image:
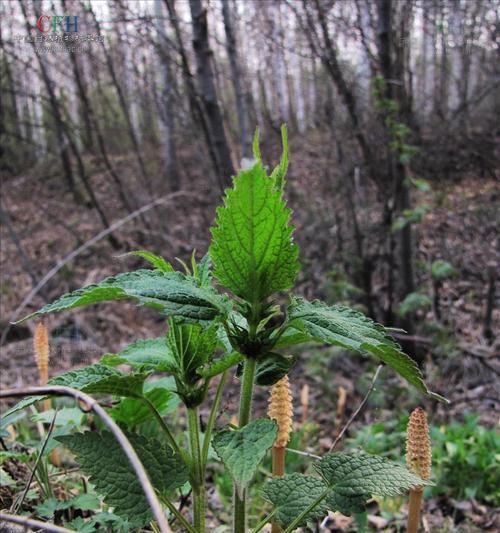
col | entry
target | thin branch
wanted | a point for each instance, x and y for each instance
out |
(305, 454)
(29, 522)
(53, 271)
(20, 502)
(131, 454)
(360, 406)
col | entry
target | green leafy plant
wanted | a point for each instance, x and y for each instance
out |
(464, 455)
(246, 325)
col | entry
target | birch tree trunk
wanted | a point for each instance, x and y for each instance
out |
(167, 119)
(237, 80)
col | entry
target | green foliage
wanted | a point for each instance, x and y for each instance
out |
(132, 411)
(410, 216)
(347, 482)
(441, 270)
(143, 354)
(353, 474)
(102, 459)
(101, 379)
(414, 302)
(464, 455)
(352, 330)
(466, 461)
(157, 261)
(293, 494)
(279, 172)
(220, 365)
(242, 450)
(84, 502)
(274, 367)
(208, 333)
(191, 347)
(172, 293)
(252, 249)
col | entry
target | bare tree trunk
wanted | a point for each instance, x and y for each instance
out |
(123, 104)
(208, 94)
(237, 79)
(62, 142)
(392, 66)
(197, 109)
(167, 118)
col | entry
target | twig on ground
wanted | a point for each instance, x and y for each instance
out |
(357, 411)
(93, 405)
(29, 522)
(53, 271)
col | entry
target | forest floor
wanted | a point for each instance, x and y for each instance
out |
(461, 366)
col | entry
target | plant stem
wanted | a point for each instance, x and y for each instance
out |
(173, 509)
(264, 521)
(306, 511)
(211, 419)
(414, 510)
(239, 522)
(197, 474)
(166, 430)
(278, 458)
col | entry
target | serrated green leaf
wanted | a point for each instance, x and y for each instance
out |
(133, 411)
(21, 404)
(101, 379)
(279, 172)
(220, 365)
(143, 354)
(6, 479)
(255, 145)
(172, 293)
(203, 270)
(242, 450)
(191, 347)
(351, 329)
(292, 494)
(102, 458)
(252, 248)
(272, 367)
(290, 337)
(156, 260)
(347, 505)
(356, 474)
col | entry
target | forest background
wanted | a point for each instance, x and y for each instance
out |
(123, 121)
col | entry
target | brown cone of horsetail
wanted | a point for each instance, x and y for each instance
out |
(42, 355)
(418, 460)
(280, 409)
(42, 358)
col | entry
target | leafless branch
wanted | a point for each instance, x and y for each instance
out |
(93, 405)
(53, 271)
(29, 522)
(360, 406)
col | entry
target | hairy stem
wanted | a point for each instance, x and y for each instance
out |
(244, 417)
(197, 473)
(166, 430)
(211, 419)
